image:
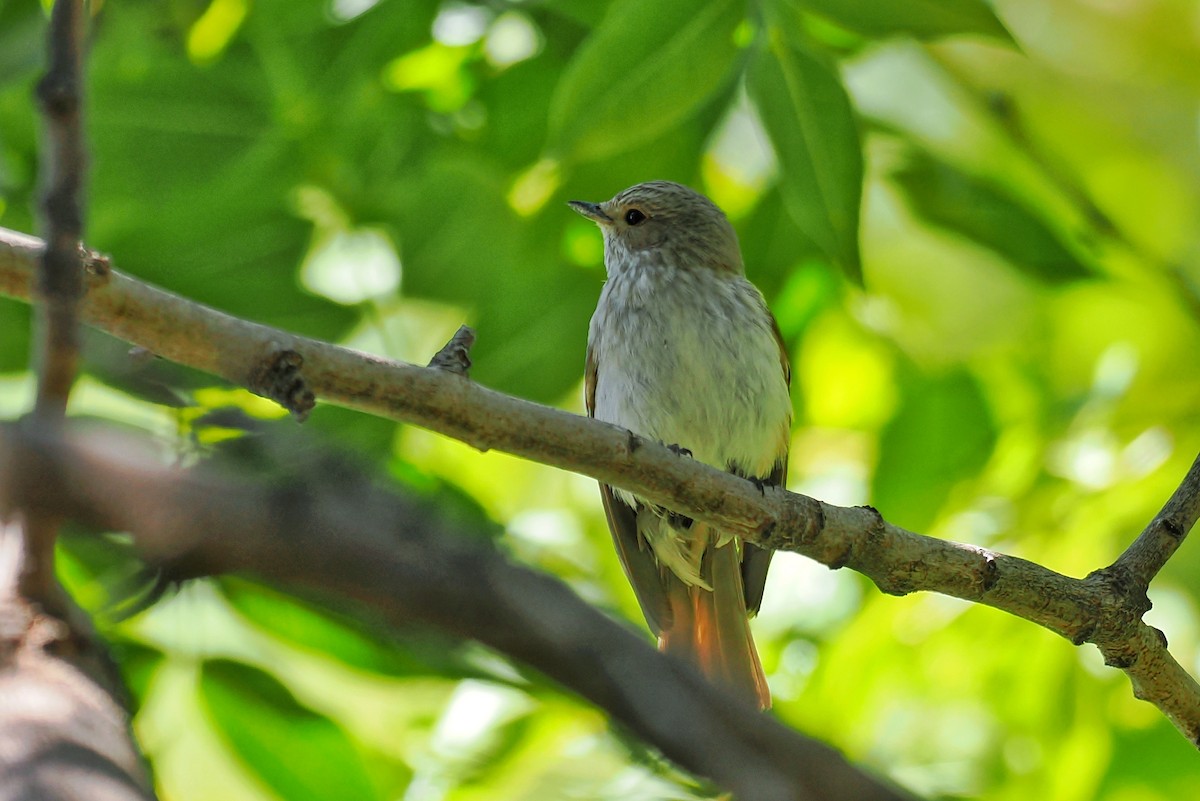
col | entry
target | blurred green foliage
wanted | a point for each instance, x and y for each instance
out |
(977, 225)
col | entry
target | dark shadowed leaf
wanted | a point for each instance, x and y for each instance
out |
(139, 664)
(924, 19)
(942, 434)
(984, 212)
(297, 752)
(772, 244)
(420, 653)
(589, 13)
(808, 117)
(643, 70)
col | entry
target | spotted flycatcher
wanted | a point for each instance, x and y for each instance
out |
(683, 350)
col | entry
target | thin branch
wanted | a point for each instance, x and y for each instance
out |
(1095, 609)
(60, 277)
(60, 281)
(394, 556)
(1150, 551)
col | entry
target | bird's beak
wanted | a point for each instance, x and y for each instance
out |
(590, 210)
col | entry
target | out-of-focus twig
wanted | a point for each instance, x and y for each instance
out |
(60, 279)
(398, 558)
(63, 732)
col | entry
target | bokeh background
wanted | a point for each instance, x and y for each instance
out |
(995, 341)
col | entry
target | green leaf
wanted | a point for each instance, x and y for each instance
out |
(807, 114)
(985, 213)
(589, 14)
(463, 244)
(942, 434)
(217, 163)
(643, 70)
(297, 752)
(22, 32)
(924, 19)
(772, 244)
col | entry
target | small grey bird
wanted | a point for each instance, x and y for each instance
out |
(683, 350)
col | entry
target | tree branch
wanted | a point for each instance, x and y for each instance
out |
(60, 280)
(329, 531)
(1147, 555)
(63, 732)
(59, 276)
(1095, 609)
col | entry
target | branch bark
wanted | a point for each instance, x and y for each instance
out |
(1098, 609)
(63, 734)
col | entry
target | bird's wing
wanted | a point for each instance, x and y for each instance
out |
(640, 566)
(756, 560)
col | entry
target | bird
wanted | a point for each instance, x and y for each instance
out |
(683, 350)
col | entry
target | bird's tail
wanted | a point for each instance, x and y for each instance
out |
(712, 630)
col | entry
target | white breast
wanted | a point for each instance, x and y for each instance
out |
(689, 358)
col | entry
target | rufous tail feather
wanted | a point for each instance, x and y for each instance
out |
(712, 629)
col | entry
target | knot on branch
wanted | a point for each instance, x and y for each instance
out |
(1121, 589)
(95, 263)
(1176, 531)
(902, 576)
(1122, 659)
(454, 357)
(1120, 601)
(279, 379)
(58, 92)
(990, 573)
(803, 519)
(1084, 633)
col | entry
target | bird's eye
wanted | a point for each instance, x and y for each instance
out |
(634, 217)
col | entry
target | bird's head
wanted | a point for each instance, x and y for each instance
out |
(660, 222)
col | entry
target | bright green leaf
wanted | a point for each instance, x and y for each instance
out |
(807, 115)
(644, 69)
(297, 752)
